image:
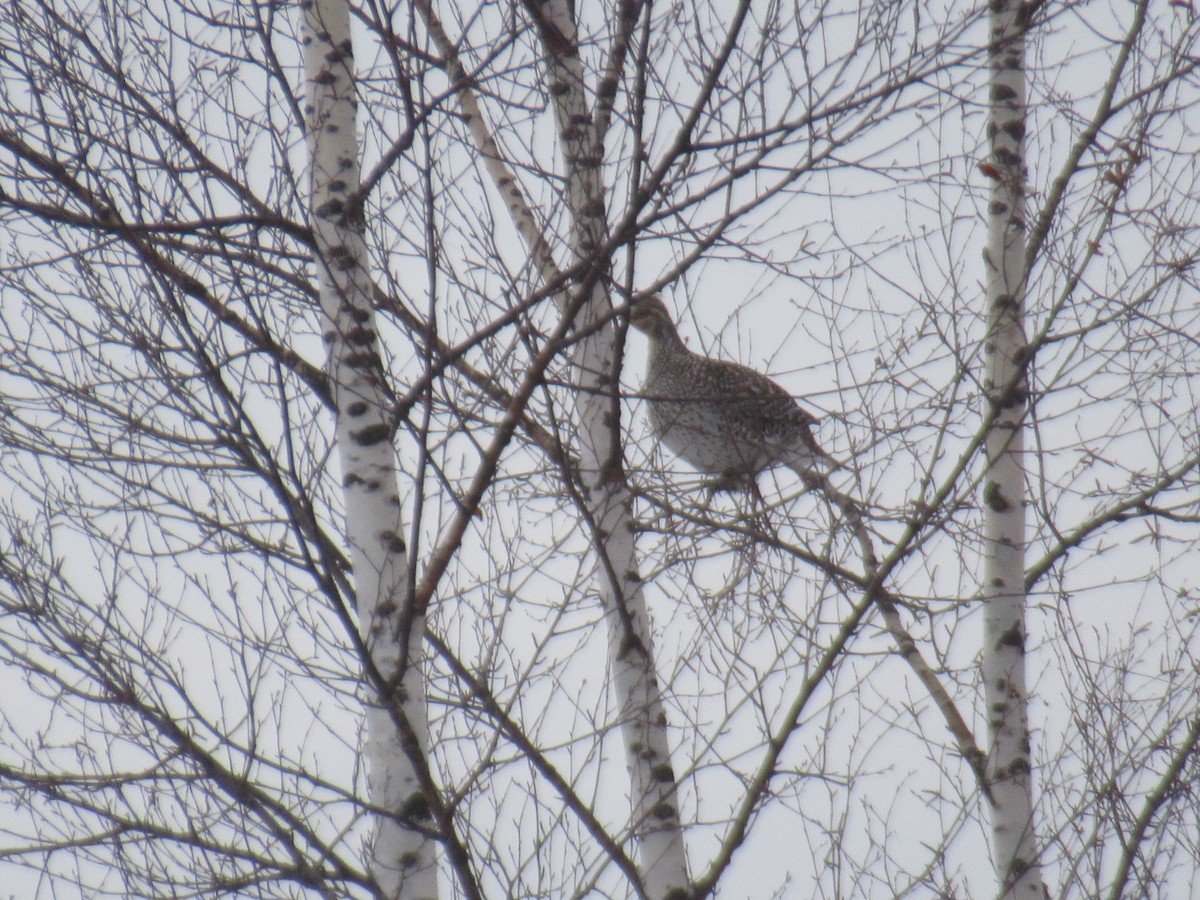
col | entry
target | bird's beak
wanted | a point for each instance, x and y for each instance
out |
(641, 316)
(638, 319)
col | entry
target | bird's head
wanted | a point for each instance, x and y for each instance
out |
(651, 317)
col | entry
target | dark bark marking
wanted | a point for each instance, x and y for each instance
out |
(360, 337)
(1013, 637)
(415, 808)
(330, 209)
(371, 434)
(995, 499)
(663, 773)
(366, 359)
(1006, 157)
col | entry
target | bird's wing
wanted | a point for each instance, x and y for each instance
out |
(757, 395)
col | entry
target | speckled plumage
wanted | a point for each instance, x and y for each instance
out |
(722, 418)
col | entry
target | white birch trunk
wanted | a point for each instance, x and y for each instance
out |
(402, 858)
(659, 836)
(1009, 768)
(657, 830)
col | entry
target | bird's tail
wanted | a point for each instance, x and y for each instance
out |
(812, 460)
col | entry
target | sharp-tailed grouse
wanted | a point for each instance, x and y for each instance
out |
(720, 417)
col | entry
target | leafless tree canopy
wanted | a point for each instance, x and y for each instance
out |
(808, 188)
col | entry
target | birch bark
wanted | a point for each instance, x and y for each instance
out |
(640, 711)
(1003, 593)
(656, 825)
(402, 855)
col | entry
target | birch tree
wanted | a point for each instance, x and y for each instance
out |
(608, 504)
(336, 556)
(390, 625)
(1003, 590)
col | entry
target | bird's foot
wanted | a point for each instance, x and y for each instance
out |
(731, 482)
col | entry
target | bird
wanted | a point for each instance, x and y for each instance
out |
(724, 419)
